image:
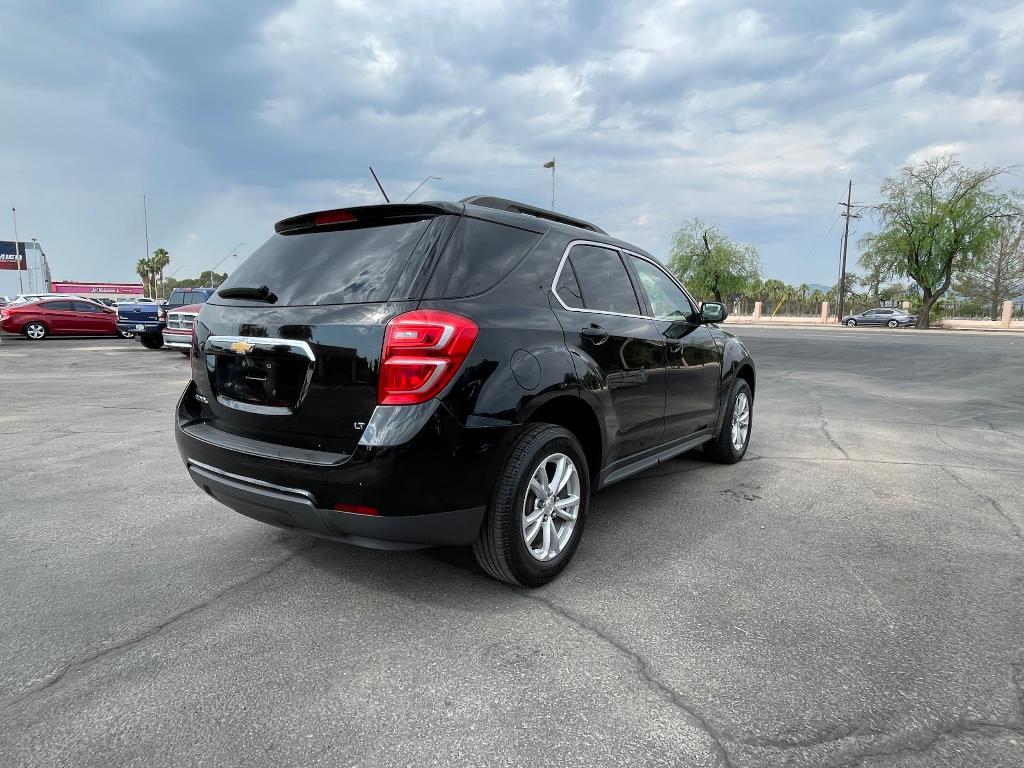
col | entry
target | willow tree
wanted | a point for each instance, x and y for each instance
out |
(710, 264)
(936, 220)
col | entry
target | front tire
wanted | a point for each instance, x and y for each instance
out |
(730, 444)
(851, 323)
(537, 512)
(893, 324)
(152, 342)
(35, 331)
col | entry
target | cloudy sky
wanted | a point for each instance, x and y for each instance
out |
(231, 115)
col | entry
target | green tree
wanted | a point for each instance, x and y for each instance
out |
(144, 269)
(711, 264)
(935, 220)
(161, 258)
(999, 276)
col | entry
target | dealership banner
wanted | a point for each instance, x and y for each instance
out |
(9, 257)
(82, 289)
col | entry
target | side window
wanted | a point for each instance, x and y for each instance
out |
(666, 298)
(58, 306)
(568, 289)
(478, 256)
(85, 306)
(604, 283)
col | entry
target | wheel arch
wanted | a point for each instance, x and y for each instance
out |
(576, 415)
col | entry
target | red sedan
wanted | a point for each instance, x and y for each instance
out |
(59, 317)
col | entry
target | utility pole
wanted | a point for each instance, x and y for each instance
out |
(847, 214)
(17, 250)
(145, 221)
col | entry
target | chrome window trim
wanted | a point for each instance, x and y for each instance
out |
(621, 252)
(558, 273)
(693, 302)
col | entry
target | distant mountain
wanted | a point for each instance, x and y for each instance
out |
(819, 287)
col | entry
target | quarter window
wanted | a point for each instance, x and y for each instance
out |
(568, 288)
(603, 281)
(667, 300)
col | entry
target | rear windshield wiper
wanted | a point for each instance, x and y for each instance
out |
(263, 293)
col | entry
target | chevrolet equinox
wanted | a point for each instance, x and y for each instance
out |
(401, 376)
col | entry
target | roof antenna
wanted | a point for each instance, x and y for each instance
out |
(386, 198)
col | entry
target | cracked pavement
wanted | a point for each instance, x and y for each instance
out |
(848, 595)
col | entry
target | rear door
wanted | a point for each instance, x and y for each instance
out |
(57, 315)
(300, 366)
(621, 349)
(89, 318)
(694, 369)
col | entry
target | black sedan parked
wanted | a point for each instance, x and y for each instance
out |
(894, 318)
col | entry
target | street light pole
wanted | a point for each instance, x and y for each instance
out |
(17, 249)
(551, 164)
(213, 271)
(436, 178)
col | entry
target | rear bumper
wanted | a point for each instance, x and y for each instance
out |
(296, 508)
(176, 339)
(428, 488)
(149, 327)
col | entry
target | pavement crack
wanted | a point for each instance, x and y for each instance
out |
(823, 423)
(81, 663)
(643, 669)
(1014, 526)
(921, 742)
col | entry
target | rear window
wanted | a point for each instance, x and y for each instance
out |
(346, 266)
(479, 255)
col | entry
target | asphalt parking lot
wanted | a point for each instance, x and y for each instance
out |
(851, 594)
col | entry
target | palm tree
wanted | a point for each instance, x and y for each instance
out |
(161, 258)
(144, 269)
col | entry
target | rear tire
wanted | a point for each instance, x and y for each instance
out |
(505, 549)
(125, 335)
(851, 323)
(730, 444)
(893, 324)
(35, 331)
(152, 342)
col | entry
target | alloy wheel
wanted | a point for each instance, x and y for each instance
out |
(740, 421)
(551, 506)
(35, 331)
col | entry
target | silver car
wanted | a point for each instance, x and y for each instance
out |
(891, 317)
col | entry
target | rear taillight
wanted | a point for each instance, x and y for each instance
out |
(423, 350)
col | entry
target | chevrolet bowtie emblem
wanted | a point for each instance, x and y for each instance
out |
(242, 347)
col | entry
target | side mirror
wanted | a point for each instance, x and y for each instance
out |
(713, 312)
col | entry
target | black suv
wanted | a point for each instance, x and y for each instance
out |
(402, 376)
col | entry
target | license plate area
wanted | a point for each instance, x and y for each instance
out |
(140, 327)
(266, 376)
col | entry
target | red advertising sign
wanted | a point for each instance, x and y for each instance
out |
(83, 289)
(8, 259)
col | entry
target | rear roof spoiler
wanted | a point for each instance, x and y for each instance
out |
(512, 206)
(364, 213)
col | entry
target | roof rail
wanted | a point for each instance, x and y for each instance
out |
(512, 206)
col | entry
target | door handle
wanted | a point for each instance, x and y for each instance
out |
(596, 334)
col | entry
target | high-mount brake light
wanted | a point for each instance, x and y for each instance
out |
(325, 218)
(423, 350)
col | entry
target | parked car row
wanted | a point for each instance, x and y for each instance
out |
(40, 315)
